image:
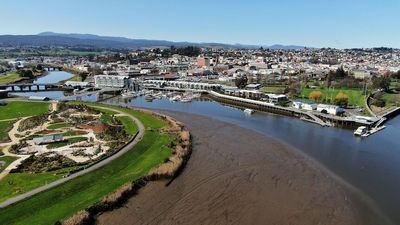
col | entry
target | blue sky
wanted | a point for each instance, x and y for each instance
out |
(315, 23)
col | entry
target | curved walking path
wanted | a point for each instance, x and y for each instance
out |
(14, 140)
(129, 146)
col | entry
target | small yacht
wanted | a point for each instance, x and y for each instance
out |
(149, 97)
(175, 98)
(361, 131)
(127, 94)
(185, 99)
(248, 111)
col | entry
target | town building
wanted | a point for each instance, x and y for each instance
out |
(48, 139)
(111, 81)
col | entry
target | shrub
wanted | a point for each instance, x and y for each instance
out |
(378, 103)
(341, 99)
(316, 96)
(32, 122)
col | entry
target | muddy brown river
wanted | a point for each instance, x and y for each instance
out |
(238, 176)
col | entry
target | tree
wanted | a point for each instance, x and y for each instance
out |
(396, 75)
(329, 78)
(316, 96)
(341, 99)
(241, 82)
(382, 82)
(26, 73)
(39, 67)
(340, 73)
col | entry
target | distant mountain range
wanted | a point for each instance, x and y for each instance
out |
(96, 41)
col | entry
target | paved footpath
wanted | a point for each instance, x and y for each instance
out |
(129, 146)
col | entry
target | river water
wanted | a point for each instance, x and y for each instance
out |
(372, 165)
(53, 77)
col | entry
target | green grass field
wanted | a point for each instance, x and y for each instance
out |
(4, 126)
(7, 160)
(66, 142)
(61, 202)
(355, 95)
(76, 78)
(58, 126)
(9, 78)
(18, 183)
(129, 125)
(17, 109)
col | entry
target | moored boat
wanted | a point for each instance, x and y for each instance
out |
(248, 111)
(361, 131)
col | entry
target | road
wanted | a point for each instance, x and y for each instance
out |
(129, 146)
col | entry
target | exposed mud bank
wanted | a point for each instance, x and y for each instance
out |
(238, 176)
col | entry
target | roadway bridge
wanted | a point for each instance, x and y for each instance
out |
(29, 87)
(51, 67)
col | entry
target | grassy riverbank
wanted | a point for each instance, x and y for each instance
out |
(68, 198)
(17, 109)
(10, 78)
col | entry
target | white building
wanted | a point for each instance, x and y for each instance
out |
(112, 81)
(306, 105)
(330, 109)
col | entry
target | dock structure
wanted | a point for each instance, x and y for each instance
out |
(319, 118)
(316, 120)
(314, 117)
(389, 113)
(113, 91)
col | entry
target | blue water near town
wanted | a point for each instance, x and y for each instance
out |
(53, 77)
(371, 164)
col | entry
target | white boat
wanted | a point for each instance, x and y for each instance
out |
(149, 97)
(127, 94)
(175, 98)
(361, 131)
(185, 100)
(248, 111)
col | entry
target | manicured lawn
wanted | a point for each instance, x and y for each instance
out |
(58, 126)
(66, 142)
(16, 109)
(7, 160)
(17, 183)
(355, 95)
(61, 202)
(4, 126)
(9, 78)
(129, 125)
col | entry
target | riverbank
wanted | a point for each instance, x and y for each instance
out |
(152, 150)
(165, 171)
(238, 176)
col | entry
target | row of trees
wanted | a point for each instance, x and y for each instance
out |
(190, 51)
(341, 98)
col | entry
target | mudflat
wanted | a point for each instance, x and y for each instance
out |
(238, 176)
